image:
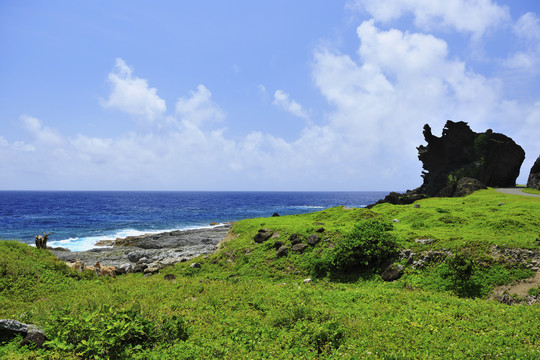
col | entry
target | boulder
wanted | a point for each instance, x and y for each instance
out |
(139, 267)
(534, 176)
(295, 239)
(196, 265)
(282, 251)
(32, 334)
(124, 268)
(392, 272)
(300, 247)
(151, 270)
(313, 239)
(466, 186)
(263, 235)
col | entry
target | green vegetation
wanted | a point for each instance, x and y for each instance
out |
(247, 301)
(531, 191)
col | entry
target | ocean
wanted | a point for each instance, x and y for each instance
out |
(78, 219)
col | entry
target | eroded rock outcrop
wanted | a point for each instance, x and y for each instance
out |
(462, 161)
(534, 176)
(491, 158)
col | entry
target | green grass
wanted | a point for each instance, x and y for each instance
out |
(245, 302)
(531, 191)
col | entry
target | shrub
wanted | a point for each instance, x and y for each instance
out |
(461, 269)
(110, 332)
(368, 244)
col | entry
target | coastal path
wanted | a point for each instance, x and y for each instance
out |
(515, 191)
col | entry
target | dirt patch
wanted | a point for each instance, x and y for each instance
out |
(230, 236)
(521, 288)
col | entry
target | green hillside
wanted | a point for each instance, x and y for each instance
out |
(253, 300)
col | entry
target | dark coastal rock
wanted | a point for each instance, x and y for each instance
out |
(491, 158)
(275, 214)
(320, 230)
(392, 272)
(395, 198)
(300, 247)
(295, 239)
(313, 239)
(278, 244)
(466, 186)
(169, 277)
(263, 235)
(462, 161)
(36, 338)
(32, 334)
(196, 265)
(161, 250)
(282, 251)
(534, 176)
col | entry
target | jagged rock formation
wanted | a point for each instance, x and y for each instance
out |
(534, 176)
(462, 161)
(491, 158)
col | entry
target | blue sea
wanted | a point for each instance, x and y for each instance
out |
(78, 219)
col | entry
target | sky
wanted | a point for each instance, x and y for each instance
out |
(278, 95)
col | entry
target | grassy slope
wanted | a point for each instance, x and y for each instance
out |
(245, 303)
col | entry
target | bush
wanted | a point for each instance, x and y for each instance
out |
(461, 269)
(110, 332)
(368, 244)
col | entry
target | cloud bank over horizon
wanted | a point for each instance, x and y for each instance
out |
(364, 137)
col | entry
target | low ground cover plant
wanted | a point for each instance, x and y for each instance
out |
(246, 301)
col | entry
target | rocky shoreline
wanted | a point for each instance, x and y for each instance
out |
(151, 251)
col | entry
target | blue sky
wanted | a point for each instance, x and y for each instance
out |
(256, 95)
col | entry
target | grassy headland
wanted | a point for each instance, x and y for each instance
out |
(249, 299)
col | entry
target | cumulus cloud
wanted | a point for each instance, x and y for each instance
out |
(42, 134)
(401, 81)
(527, 29)
(283, 101)
(132, 95)
(469, 16)
(198, 109)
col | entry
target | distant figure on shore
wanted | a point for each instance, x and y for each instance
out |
(41, 240)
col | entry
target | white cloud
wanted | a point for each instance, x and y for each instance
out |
(132, 95)
(527, 29)
(283, 101)
(21, 146)
(43, 134)
(469, 16)
(198, 109)
(400, 82)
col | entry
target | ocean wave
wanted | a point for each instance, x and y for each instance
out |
(89, 242)
(305, 207)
